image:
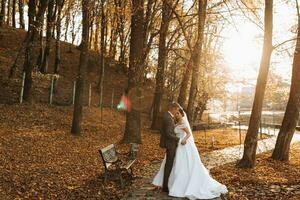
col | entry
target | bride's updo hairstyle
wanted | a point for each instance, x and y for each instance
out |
(181, 111)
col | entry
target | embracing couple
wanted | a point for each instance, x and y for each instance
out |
(182, 173)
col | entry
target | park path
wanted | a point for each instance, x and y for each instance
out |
(143, 189)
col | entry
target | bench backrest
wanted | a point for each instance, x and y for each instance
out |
(108, 155)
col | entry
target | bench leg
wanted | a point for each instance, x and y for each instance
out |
(105, 176)
(121, 180)
(131, 171)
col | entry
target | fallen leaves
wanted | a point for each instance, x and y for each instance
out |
(268, 180)
(39, 158)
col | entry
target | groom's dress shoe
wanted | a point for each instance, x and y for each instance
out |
(165, 190)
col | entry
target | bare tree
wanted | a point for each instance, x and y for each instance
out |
(135, 75)
(8, 12)
(121, 22)
(80, 83)
(50, 21)
(196, 55)
(162, 57)
(35, 21)
(2, 12)
(291, 116)
(21, 12)
(102, 53)
(183, 94)
(14, 13)
(60, 4)
(249, 155)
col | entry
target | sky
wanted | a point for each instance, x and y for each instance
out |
(242, 48)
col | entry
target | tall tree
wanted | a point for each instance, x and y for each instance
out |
(2, 12)
(135, 75)
(184, 86)
(91, 29)
(73, 32)
(291, 116)
(183, 93)
(41, 40)
(162, 57)
(120, 6)
(102, 52)
(196, 56)
(60, 4)
(21, 12)
(68, 19)
(8, 12)
(80, 83)
(35, 22)
(14, 13)
(97, 28)
(113, 36)
(148, 32)
(249, 155)
(50, 20)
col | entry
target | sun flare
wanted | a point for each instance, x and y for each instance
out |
(242, 52)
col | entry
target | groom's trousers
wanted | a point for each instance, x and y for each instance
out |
(170, 155)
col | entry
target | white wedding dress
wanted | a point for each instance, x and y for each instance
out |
(189, 178)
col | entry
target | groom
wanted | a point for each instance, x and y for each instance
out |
(169, 141)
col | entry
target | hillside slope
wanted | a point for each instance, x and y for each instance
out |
(10, 43)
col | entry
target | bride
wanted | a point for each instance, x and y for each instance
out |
(189, 178)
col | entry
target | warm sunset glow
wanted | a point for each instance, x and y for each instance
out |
(242, 53)
(242, 48)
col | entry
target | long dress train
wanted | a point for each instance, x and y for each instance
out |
(189, 177)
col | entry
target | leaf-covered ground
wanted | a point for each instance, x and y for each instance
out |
(269, 180)
(39, 158)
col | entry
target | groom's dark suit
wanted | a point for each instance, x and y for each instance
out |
(169, 141)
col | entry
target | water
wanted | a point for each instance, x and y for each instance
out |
(264, 130)
(235, 153)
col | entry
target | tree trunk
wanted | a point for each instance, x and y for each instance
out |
(67, 24)
(113, 44)
(102, 50)
(291, 116)
(21, 11)
(41, 52)
(8, 13)
(91, 32)
(173, 81)
(80, 83)
(248, 160)
(30, 50)
(196, 55)
(148, 23)
(50, 19)
(202, 102)
(135, 77)
(183, 94)
(97, 31)
(2, 13)
(121, 5)
(162, 57)
(14, 13)
(113, 38)
(73, 32)
(60, 4)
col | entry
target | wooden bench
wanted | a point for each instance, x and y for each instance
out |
(113, 165)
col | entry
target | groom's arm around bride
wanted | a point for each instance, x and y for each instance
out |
(168, 138)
